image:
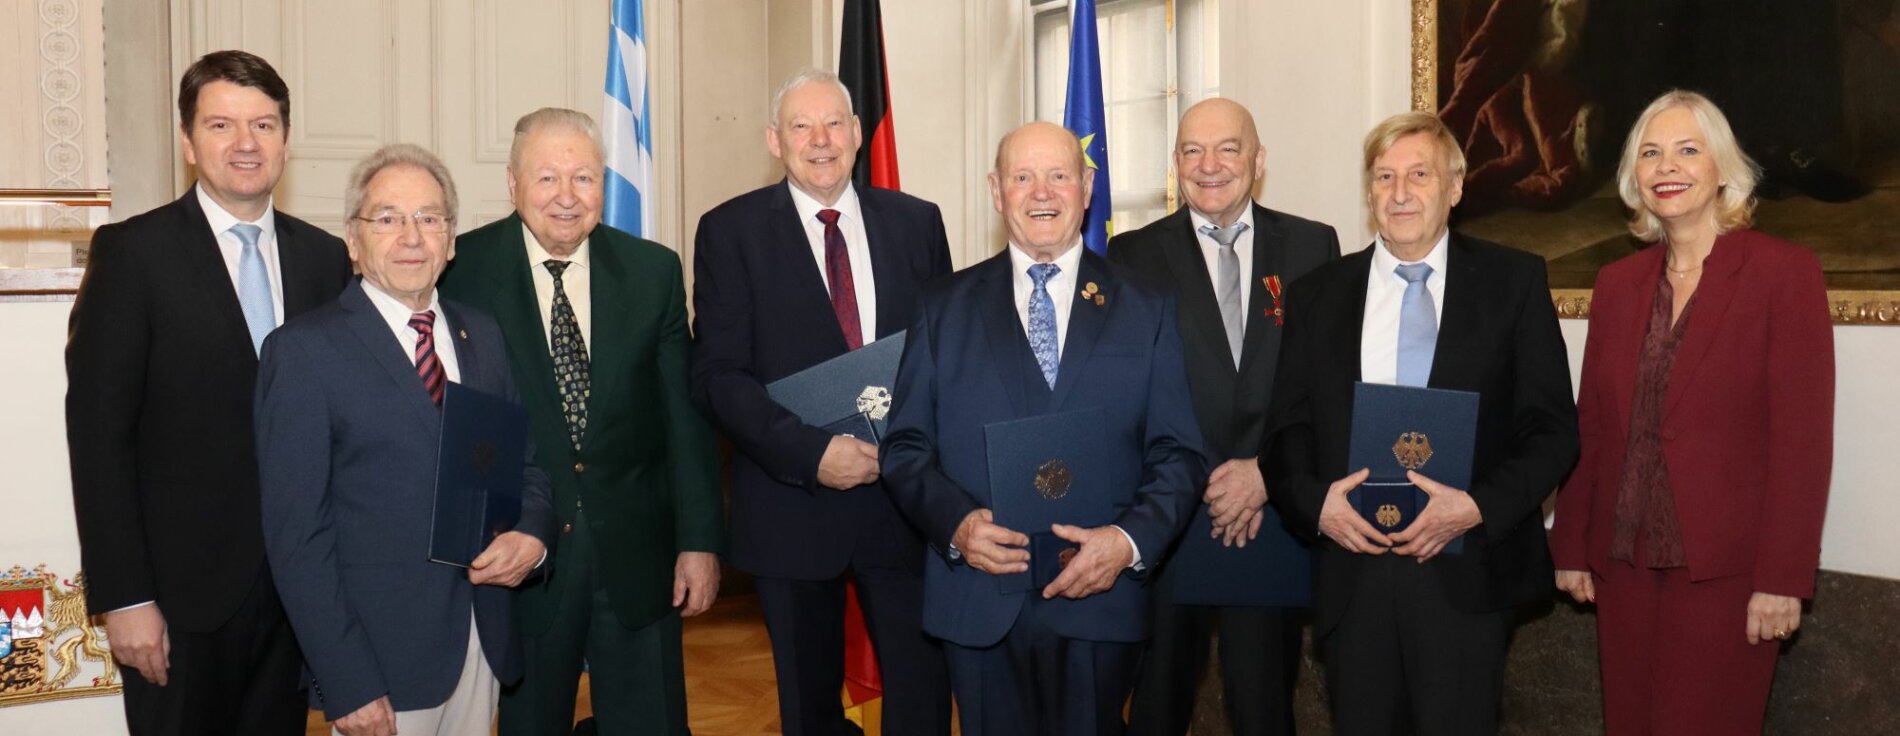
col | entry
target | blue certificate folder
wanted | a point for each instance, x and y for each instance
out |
(1274, 569)
(1433, 430)
(478, 473)
(1055, 469)
(834, 393)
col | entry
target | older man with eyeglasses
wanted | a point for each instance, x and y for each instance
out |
(349, 422)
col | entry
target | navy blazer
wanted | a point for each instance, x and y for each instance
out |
(967, 363)
(346, 441)
(761, 312)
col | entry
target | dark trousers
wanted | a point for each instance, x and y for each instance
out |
(1037, 683)
(805, 619)
(1402, 660)
(637, 679)
(240, 679)
(1259, 663)
(1675, 653)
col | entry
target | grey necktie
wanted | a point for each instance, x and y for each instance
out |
(1227, 283)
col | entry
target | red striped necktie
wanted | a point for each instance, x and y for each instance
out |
(428, 366)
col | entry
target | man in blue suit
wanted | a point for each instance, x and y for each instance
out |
(349, 420)
(1044, 327)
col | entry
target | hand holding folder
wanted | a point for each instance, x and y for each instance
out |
(1416, 446)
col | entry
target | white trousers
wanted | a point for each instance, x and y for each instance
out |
(469, 711)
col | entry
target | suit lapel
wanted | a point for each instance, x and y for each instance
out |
(383, 346)
(469, 362)
(1462, 316)
(1269, 260)
(1640, 296)
(887, 270)
(1353, 330)
(1202, 329)
(200, 248)
(296, 258)
(1009, 347)
(518, 312)
(793, 253)
(1713, 296)
(1085, 324)
(614, 292)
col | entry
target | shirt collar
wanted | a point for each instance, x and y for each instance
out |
(538, 255)
(1070, 260)
(808, 206)
(221, 219)
(396, 313)
(1384, 262)
(1201, 221)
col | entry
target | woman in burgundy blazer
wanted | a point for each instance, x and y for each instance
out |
(1693, 519)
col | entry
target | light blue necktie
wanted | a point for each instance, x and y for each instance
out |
(254, 285)
(1418, 326)
(1042, 321)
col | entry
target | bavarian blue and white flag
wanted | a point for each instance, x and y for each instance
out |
(627, 124)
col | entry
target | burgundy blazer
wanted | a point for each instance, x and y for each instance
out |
(1748, 421)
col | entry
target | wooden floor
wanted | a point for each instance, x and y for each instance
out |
(730, 688)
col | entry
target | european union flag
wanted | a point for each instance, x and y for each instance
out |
(1082, 115)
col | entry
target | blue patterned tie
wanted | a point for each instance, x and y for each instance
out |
(254, 285)
(1418, 326)
(569, 350)
(1042, 321)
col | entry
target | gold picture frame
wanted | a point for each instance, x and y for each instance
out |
(1845, 306)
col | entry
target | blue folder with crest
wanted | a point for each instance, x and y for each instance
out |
(1274, 569)
(849, 394)
(1055, 469)
(1399, 428)
(478, 473)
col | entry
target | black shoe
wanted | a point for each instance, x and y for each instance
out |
(586, 728)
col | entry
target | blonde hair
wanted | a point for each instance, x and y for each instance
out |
(1389, 132)
(1734, 201)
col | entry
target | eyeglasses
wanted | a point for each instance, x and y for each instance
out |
(391, 221)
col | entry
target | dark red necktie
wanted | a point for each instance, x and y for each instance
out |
(428, 366)
(844, 292)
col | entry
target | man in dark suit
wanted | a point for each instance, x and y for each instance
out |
(1227, 260)
(787, 277)
(1044, 327)
(349, 423)
(1414, 640)
(595, 321)
(160, 365)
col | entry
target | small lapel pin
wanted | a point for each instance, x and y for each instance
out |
(462, 334)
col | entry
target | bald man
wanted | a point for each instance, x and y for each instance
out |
(1227, 260)
(1045, 327)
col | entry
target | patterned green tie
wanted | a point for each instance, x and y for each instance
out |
(569, 351)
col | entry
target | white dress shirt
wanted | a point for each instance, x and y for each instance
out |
(232, 249)
(1385, 293)
(1062, 287)
(856, 245)
(396, 314)
(576, 281)
(1062, 290)
(1243, 247)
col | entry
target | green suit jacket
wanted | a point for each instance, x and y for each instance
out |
(647, 473)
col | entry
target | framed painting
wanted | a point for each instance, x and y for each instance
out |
(1542, 94)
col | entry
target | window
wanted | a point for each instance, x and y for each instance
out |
(1158, 58)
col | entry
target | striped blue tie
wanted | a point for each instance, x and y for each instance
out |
(254, 285)
(1042, 322)
(1418, 326)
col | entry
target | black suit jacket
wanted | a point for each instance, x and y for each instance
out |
(1498, 336)
(160, 376)
(1230, 402)
(761, 312)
